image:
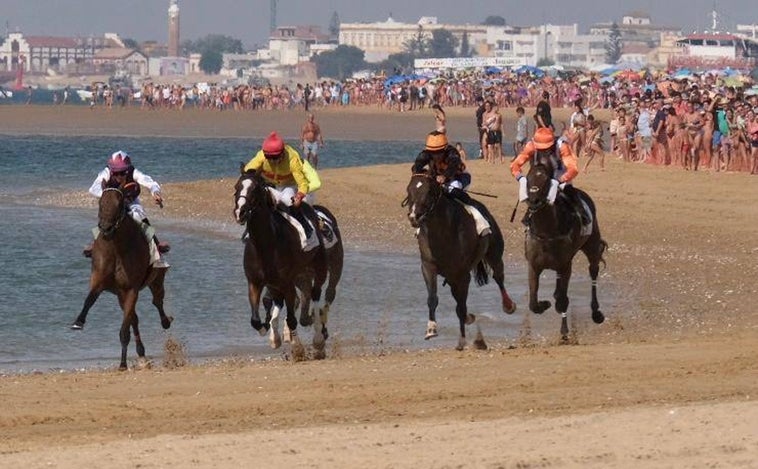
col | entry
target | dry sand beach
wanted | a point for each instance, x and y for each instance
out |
(669, 380)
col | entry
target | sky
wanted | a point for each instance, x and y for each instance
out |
(248, 20)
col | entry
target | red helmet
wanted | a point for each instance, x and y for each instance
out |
(119, 161)
(273, 146)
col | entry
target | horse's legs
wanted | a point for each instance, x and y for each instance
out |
(95, 288)
(536, 306)
(593, 249)
(335, 261)
(563, 276)
(430, 278)
(138, 345)
(254, 296)
(159, 293)
(272, 323)
(459, 289)
(128, 301)
(298, 351)
(498, 273)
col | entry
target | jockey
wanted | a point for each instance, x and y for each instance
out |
(122, 174)
(282, 166)
(445, 164)
(565, 166)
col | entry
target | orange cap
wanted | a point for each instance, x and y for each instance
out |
(543, 138)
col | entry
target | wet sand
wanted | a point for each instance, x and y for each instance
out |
(669, 380)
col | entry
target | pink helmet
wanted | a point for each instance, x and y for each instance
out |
(119, 161)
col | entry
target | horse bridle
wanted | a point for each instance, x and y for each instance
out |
(112, 229)
(431, 207)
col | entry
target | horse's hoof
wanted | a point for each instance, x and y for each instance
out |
(77, 326)
(167, 323)
(306, 320)
(470, 318)
(319, 354)
(541, 307)
(480, 344)
(275, 341)
(430, 334)
(598, 317)
(509, 309)
(326, 333)
(122, 367)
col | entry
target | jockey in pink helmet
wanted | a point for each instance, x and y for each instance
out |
(120, 173)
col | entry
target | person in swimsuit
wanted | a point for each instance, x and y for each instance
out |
(312, 138)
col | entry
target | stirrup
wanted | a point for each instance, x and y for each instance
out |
(163, 247)
(87, 251)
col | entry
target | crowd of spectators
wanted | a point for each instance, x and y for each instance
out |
(696, 121)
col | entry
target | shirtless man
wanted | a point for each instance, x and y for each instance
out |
(493, 122)
(694, 126)
(312, 139)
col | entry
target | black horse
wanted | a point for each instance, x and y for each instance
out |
(121, 265)
(335, 255)
(274, 259)
(450, 246)
(555, 234)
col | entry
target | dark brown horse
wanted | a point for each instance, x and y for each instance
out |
(451, 247)
(334, 262)
(274, 259)
(555, 234)
(121, 265)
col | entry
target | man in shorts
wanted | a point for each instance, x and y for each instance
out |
(312, 138)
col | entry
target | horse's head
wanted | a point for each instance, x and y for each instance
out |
(249, 194)
(423, 193)
(538, 179)
(111, 211)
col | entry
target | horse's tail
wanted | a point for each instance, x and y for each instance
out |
(603, 248)
(481, 273)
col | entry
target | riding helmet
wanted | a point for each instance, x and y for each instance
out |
(436, 141)
(119, 161)
(543, 138)
(273, 146)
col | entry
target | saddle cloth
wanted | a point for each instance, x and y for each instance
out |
(326, 221)
(308, 243)
(482, 225)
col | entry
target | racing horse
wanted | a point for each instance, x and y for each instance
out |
(334, 261)
(450, 246)
(274, 259)
(121, 265)
(555, 233)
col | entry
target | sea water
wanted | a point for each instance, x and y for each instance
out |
(380, 304)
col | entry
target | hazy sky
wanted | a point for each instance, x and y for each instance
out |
(248, 20)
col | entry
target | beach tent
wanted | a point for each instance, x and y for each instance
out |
(529, 69)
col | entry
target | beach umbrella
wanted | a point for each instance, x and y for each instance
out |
(492, 70)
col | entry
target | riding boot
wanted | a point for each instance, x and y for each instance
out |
(573, 197)
(297, 212)
(460, 194)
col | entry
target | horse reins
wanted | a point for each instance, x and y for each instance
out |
(120, 218)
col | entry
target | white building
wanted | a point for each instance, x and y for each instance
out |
(290, 45)
(561, 44)
(379, 40)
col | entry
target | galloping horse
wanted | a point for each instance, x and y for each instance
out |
(451, 247)
(555, 234)
(335, 255)
(121, 265)
(274, 259)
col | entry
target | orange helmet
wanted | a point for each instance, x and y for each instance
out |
(436, 141)
(543, 138)
(273, 146)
